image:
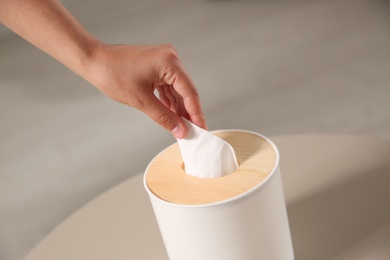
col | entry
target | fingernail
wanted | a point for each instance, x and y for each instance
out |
(178, 132)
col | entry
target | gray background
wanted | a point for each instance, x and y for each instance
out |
(274, 67)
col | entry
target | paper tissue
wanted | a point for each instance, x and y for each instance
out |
(206, 155)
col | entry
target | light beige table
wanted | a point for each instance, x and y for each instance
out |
(337, 192)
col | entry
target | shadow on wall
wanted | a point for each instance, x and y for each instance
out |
(330, 220)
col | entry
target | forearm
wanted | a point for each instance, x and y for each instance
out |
(50, 27)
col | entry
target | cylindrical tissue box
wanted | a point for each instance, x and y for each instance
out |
(240, 216)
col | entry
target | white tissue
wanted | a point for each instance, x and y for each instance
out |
(206, 155)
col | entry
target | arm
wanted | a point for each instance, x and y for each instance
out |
(126, 73)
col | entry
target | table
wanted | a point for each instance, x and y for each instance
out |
(337, 190)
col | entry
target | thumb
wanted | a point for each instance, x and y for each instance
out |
(163, 116)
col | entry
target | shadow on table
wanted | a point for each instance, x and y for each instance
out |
(330, 221)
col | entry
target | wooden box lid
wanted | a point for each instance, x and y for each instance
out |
(166, 178)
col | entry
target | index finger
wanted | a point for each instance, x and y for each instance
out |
(184, 86)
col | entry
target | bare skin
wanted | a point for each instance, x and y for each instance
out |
(125, 73)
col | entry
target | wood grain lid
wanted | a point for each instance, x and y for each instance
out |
(167, 180)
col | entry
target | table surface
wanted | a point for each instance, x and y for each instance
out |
(337, 190)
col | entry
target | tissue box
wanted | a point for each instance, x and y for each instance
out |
(238, 216)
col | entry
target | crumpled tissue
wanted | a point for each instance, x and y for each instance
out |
(206, 155)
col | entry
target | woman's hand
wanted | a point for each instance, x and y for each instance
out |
(125, 73)
(130, 74)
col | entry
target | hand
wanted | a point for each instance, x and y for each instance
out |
(130, 74)
(125, 73)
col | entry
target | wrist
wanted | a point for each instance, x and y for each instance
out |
(86, 57)
(94, 65)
